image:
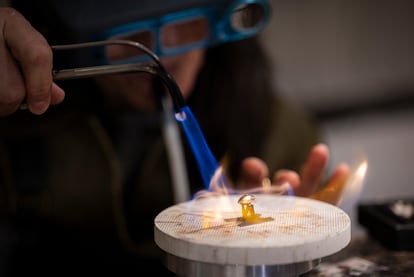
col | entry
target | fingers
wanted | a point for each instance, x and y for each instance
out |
(27, 70)
(287, 176)
(313, 170)
(57, 95)
(253, 172)
(332, 192)
(12, 90)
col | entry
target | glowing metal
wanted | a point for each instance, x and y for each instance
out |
(247, 207)
(248, 214)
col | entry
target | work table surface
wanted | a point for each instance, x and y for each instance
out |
(365, 256)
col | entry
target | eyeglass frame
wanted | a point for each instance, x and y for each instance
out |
(220, 29)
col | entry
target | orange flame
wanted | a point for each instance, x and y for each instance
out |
(341, 189)
(353, 186)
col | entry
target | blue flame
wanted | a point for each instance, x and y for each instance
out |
(206, 161)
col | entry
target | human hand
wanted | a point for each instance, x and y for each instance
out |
(304, 183)
(25, 66)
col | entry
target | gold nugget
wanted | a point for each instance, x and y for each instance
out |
(248, 214)
(247, 207)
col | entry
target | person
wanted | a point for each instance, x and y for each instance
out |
(85, 168)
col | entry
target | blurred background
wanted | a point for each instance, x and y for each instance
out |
(351, 65)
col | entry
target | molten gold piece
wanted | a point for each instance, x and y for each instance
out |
(247, 207)
(248, 214)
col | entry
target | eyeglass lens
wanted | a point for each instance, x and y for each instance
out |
(172, 35)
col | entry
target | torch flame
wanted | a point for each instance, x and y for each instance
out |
(353, 186)
(362, 169)
(343, 190)
(220, 185)
(266, 185)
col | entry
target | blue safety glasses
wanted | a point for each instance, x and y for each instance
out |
(182, 31)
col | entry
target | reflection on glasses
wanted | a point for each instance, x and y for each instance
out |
(182, 31)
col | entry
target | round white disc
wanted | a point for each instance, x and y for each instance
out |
(295, 229)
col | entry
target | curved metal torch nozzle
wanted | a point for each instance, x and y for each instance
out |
(93, 71)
